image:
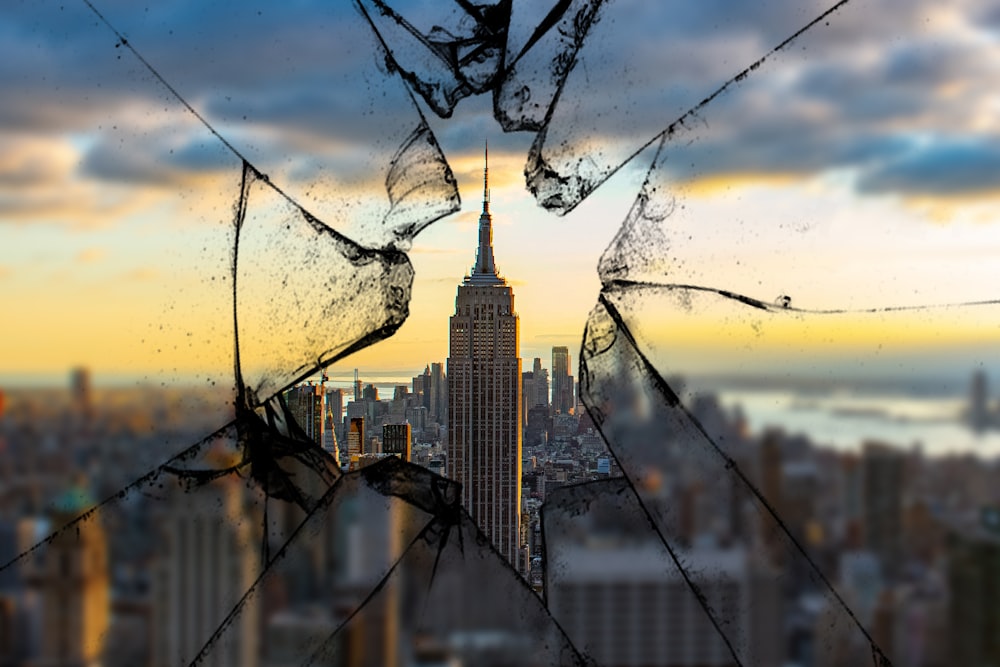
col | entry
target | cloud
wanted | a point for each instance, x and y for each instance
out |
(42, 182)
(943, 167)
(142, 274)
(90, 255)
(299, 92)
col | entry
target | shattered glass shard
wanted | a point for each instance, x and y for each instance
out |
(447, 54)
(387, 569)
(691, 485)
(541, 50)
(382, 565)
(420, 186)
(305, 294)
(587, 137)
(286, 463)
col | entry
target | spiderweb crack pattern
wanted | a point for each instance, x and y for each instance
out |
(437, 570)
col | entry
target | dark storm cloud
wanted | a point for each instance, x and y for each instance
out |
(61, 69)
(851, 94)
(959, 166)
(164, 161)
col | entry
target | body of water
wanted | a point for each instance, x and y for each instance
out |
(845, 421)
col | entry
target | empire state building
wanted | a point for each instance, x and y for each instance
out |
(484, 396)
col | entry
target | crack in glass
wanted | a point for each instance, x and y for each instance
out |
(383, 565)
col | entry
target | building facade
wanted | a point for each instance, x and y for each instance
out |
(562, 381)
(484, 396)
(307, 404)
(396, 439)
(207, 557)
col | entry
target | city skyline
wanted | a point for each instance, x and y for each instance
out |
(797, 188)
(900, 215)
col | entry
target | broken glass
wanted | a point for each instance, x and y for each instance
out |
(381, 565)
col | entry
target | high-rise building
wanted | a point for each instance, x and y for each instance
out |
(541, 377)
(979, 415)
(622, 606)
(306, 402)
(527, 395)
(421, 386)
(973, 573)
(396, 440)
(882, 485)
(562, 381)
(484, 396)
(438, 394)
(73, 581)
(207, 557)
(534, 389)
(356, 437)
(335, 404)
(335, 415)
(82, 391)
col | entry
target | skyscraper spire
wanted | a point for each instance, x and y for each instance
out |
(486, 178)
(485, 270)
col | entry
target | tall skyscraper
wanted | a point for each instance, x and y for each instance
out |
(396, 440)
(541, 377)
(882, 480)
(439, 394)
(74, 583)
(562, 381)
(356, 437)
(83, 392)
(979, 415)
(534, 389)
(207, 556)
(307, 404)
(484, 396)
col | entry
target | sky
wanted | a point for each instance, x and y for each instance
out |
(857, 167)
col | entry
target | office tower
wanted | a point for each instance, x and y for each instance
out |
(370, 393)
(422, 389)
(620, 603)
(484, 396)
(335, 413)
(882, 484)
(562, 381)
(770, 462)
(417, 417)
(82, 392)
(396, 440)
(357, 386)
(207, 558)
(439, 394)
(973, 572)
(541, 378)
(306, 402)
(527, 395)
(851, 494)
(538, 426)
(73, 581)
(979, 415)
(356, 438)
(335, 405)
